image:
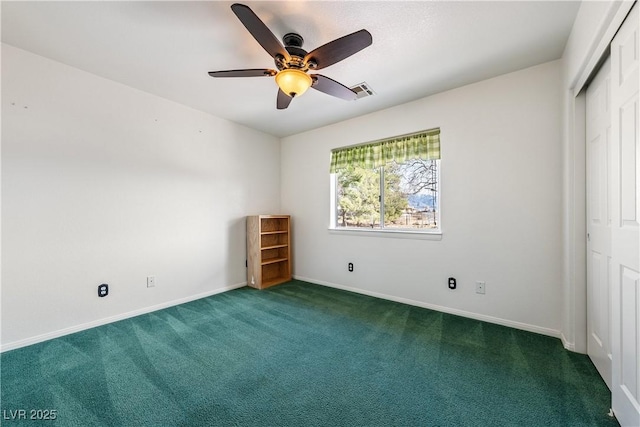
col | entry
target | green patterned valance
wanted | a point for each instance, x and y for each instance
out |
(422, 145)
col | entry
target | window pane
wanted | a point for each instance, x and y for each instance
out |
(411, 195)
(358, 198)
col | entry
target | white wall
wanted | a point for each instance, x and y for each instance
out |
(102, 183)
(501, 203)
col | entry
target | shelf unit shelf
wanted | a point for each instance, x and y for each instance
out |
(273, 260)
(268, 283)
(268, 250)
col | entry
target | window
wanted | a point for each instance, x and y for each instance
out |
(392, 184)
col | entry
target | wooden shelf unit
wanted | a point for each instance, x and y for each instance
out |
(268, 250)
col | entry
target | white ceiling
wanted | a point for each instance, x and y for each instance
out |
(166, 48)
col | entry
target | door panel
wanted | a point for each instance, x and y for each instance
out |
(628, 116)
(625, 236)
(598, 222)
(629, 331)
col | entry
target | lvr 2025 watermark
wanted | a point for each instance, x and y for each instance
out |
(29, 414)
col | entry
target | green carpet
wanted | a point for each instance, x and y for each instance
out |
(302, 355)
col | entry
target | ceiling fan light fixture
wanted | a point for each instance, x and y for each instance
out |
(293, 82)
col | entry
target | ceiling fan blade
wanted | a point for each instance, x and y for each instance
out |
(339, 49)
(332, 87)
(256, 72)
(283, 100)
(259, 31)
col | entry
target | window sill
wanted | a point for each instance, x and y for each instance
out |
(394, 234)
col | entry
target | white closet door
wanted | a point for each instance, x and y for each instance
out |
(599, 222)
(625, 226)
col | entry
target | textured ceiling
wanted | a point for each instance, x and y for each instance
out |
(166, 48)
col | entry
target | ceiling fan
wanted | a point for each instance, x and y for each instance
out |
(293, 62)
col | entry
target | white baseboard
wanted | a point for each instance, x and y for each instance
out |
(490, 319)
(568, 345)
(66, 331)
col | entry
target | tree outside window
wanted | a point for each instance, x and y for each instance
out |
(410, 192)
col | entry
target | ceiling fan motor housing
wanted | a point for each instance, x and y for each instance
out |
(293, 44)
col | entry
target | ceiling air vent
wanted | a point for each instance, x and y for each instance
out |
(362, 90)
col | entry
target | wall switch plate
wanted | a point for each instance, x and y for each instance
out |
(480, 287)
(151, 281)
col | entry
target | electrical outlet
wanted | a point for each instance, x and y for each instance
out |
(103, 290)
(151, 281)
(350, 266)
(480, 287)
